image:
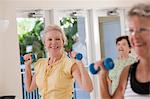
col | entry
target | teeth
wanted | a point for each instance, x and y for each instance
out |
(121, 50)
(54, 47)
(139, 44)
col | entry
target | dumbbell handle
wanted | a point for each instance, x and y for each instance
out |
(78, 56)
(108, 65)
(22, 60)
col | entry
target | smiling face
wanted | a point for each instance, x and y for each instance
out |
(54, 42)
(123, 47)
(139, 28)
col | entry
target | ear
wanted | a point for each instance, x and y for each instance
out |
(63, 43)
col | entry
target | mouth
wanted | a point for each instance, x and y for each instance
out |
(121, 50)
(139, 44)
(54, 47)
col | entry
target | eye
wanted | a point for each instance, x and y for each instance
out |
(118, 44)
(57, 39)
(49, 39)
(131, 30)
(142, 30)
(124, 44)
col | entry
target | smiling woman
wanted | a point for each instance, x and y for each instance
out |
(9, 49)
(54, 75)
(124, 58)
(134, 81)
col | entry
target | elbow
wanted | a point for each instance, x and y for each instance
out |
(89, 89)
(28, 90)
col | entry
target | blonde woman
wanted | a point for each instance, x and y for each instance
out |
(54, 76)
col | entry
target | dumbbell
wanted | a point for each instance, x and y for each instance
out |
(78, 56)
(108, 65)
(22, 58)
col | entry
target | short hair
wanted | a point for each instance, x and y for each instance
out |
(123, 37)
(57, 28)
(141, 10)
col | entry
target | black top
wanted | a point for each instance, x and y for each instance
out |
(138, 87)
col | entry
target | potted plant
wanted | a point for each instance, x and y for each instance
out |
(69, 25)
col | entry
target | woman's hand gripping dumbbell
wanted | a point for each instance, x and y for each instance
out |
(107, 63)
(28, 57)
(76, 55)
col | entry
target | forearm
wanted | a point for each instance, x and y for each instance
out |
(28, 77)
(85, 79)
(104, 91)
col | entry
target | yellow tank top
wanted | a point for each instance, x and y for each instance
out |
(55, 82)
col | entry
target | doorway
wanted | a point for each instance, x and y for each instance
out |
(109, 29)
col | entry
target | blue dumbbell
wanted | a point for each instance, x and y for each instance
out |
(108, 65)
(22, 59)
(78, 56)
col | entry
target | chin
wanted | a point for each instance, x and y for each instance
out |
(141, 53)
(53, 51)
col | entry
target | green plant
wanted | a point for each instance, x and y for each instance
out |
(70, 27)
(33, 38)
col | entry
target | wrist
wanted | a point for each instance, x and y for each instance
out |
(28, 63)
(104, 73)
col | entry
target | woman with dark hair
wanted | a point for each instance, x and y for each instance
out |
(123, 59)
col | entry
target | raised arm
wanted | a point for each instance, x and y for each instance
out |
(29, 79)
(120, 91)
(103, 82)
(103, 77)
(81, 76)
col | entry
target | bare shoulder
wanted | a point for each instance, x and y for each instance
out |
(74, 69)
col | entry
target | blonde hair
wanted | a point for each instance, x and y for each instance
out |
(141, 10)
(57, 28)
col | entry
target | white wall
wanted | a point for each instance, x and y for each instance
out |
(1, 6)
(1, 68)
(10, 77)
(47, 4)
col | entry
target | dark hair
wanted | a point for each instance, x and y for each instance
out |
(123, 37)
(141, 10)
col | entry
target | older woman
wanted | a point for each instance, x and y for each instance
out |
(135, 79)
(54, 75)
(123, 59)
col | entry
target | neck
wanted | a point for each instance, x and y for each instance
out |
(123, 56)
(145, 62)
(54, 57)
(144, 68)
(144, 65)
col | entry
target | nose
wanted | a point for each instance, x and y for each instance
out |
(53, 42)
(135, 35)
